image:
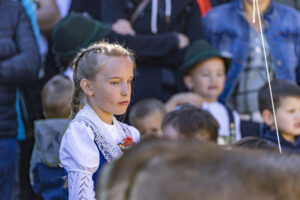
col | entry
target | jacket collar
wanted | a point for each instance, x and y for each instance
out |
(271, 135)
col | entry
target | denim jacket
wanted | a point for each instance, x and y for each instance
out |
(227, 29)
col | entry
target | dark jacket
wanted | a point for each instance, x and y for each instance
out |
(154, 51)
(19, 61)
(268, 134)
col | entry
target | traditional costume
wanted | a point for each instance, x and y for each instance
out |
(87, 144)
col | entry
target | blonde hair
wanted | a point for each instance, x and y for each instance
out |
(56, 97)
(88, 62)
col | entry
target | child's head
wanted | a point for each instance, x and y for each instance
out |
(203, 71)
(286, 98)
(56, 97)
(102, 74)
(191, 122)
(147, 115)
(251, 142)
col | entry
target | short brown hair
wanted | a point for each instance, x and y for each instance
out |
(190, 120)
(280, 89)
(56, 97)
(145, 107)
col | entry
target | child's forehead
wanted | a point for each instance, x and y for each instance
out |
(117, 67)
(211, 63)
(289, 101)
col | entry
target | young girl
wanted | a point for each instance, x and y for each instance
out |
(102, 86)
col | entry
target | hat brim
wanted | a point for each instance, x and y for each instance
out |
(99, 32)
(188, 66)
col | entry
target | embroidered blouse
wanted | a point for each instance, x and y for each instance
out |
(79, 153)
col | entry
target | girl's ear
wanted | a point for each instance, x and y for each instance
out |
(188, 82)
(86, 87)
(268, 118)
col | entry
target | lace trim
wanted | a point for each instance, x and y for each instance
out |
(105, 143)
(81, 186)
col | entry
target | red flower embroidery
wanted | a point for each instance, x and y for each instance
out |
(126, 143)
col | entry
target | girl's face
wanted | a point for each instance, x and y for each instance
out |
(112, 87)
(207, 79)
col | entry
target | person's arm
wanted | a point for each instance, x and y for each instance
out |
(183, 98)
(148, 45)
(22, 67)
(79, 155)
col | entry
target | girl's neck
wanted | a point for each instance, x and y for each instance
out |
(104, 116)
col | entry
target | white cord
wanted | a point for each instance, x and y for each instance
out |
(255, 2)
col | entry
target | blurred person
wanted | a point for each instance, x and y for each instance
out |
(19, 65)
(190, 122)
(203, 73)
(230, 29)
(158, 32)
(147, 115)
(251, 142)
(286, 96)
(45, 172)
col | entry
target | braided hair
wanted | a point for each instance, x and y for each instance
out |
(88, 62)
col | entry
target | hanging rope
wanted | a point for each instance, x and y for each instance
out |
(255, 7)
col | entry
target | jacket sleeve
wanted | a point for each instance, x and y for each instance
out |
(148, 45)
(24, 65)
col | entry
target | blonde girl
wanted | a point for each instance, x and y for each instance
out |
(103, 74)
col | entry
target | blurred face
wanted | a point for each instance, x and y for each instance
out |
(111, 87)
(170, 132)
(150, 124)
(288, 117)
(207, 79)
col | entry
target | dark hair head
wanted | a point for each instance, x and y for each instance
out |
(280, 90)
(190, 121)
(56, 97)
(145, 107)
(255, 143)
(88, 62)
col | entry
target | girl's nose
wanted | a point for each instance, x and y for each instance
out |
(124, 90)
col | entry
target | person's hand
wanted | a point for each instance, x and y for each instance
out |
(183, 98)
(123, 27)
(183, 40)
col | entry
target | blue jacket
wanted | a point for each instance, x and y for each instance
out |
(227, 29)
(268, 134)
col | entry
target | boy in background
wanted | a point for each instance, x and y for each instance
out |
(286, 96)
(147, 115)
(203, 73)
(45, 173)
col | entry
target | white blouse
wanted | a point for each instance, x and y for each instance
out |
(220, 113)
(80, 157)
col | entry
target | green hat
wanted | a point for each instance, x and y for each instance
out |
(75, 32)
(200, 51)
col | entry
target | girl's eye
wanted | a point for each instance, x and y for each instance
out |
(114, 82)
(291, 111)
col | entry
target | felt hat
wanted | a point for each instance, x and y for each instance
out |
(74, 32)
(200, 51)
